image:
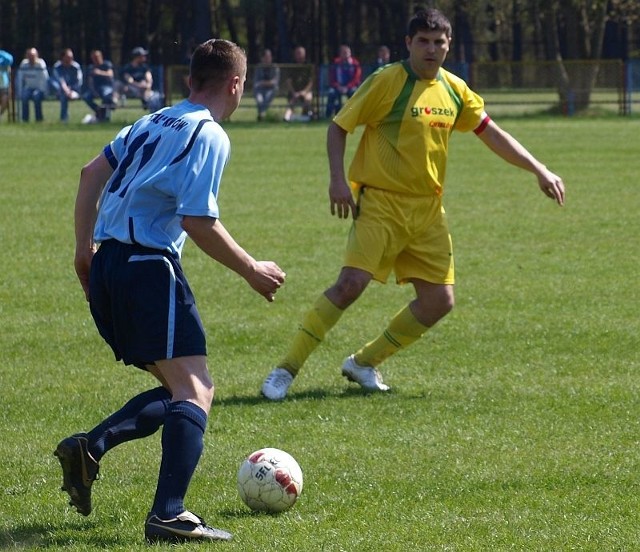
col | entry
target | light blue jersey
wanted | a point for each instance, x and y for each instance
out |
(6, 61)
(166, 165)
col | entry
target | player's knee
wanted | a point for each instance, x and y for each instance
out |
(432, 307)
(448, 302)
(200, 395)
(445, 302)
(347, 290)
(204, 390)
(207, 395)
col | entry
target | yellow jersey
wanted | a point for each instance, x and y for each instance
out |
(408, 122)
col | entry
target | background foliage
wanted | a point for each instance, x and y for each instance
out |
(495, 30)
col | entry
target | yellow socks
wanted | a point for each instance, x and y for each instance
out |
(402, 331)
(314, 326)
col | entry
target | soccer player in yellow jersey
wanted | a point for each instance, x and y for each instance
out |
(409, 110)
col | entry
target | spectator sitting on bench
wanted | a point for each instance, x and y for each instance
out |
(300, 87)
(66, 81)
(100, 84)
(32, 83)
(266, 80)
(137, 82)
(345, 74)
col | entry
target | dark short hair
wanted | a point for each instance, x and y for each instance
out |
(429, 19)
(214, 61)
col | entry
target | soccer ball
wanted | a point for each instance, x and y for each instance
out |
(269, 480)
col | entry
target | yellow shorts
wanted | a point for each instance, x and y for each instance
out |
(406, 234)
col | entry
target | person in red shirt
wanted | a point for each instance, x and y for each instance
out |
(345, 75)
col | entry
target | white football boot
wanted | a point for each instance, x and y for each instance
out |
(366, 376)
(276, 384)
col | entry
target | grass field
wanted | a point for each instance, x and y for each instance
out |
(513, 425)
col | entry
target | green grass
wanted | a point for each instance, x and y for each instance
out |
(514, 424)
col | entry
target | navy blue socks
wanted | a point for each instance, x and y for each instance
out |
(182, 441)
(140, 417)
(182, 444)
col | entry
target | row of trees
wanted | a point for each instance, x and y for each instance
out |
(495, 30)
(483, 29)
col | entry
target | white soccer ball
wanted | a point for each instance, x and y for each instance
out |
(269, 480)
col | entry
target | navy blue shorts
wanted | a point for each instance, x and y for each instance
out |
(142, 304)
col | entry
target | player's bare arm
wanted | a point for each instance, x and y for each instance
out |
(212, 237)
(340, 196)
(93, 177)
(508, 148)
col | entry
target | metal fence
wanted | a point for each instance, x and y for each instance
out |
(522, 88)
(632, 85)
(561, 87)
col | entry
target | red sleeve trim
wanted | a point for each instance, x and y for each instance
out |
(482, 125)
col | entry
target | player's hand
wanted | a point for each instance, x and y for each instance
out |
(266, 279)
(82, 264)
(341, 199)
(552, 186)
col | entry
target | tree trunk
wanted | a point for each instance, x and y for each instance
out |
(228, 12)
(516, 53)
(584, 42)
(46, 27)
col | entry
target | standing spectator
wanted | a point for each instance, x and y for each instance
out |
(137, 81)
(148, 190)
(6, 61)
(33, 79)
(66, 81)
(100, 78)
(345, 74)
(300, 86)
(266, 79)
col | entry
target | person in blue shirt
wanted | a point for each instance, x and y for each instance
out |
(137, 81)
(99, 84)
(155, 184)
(266, 79)
(66, 81)
(6, 61)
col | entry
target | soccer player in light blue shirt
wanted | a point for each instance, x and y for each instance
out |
(166, 166)
(153, 186)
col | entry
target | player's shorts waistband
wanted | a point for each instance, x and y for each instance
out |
(136, 248)
(362, 188)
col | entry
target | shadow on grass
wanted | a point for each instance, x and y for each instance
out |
(238, 513)
(311, 394)
(30, 536)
